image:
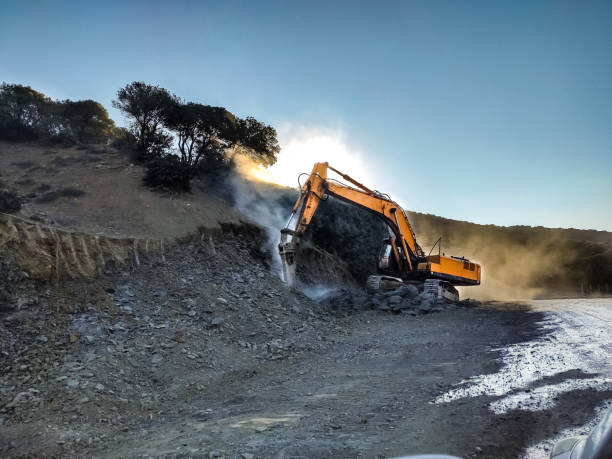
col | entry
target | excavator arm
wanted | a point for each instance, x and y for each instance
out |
(407, 252)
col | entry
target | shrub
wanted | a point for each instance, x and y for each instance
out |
(123, 140)
(10, 202)
(168, 173)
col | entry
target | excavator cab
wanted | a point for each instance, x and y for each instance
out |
(387, 264)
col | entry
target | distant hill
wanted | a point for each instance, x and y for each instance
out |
(524, 261)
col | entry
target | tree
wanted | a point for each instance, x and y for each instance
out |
(146, 106)
(21, 111)
(86, 120)
(202, 131)
(258, 141)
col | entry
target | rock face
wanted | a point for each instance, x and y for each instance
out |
(406, 299)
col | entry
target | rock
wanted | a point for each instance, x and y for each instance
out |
(395, 299)
(179, 336)
(73, 383)
(21, 397)
(157, 358)
(222, 300)
(407, 291)
(83, 400)
(99, 386)
(216, 321)
(247, 456)
(90, 339)
(43, 339)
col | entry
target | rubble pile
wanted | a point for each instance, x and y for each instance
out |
(406, 299)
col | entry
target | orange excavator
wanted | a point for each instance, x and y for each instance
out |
(401, 260)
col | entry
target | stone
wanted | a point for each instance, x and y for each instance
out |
(216, 321)
(156, 359)
(179, 336)
(73, 383)
(395, 299)
(99, 386)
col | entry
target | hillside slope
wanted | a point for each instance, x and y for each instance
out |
(96, 189)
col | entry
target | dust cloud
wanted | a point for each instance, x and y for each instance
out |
(266, 204)
(517, 262)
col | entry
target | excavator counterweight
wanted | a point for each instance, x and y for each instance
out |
(401, 260)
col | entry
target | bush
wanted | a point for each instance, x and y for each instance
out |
(123, 140)
(168, 173)
(10, 202)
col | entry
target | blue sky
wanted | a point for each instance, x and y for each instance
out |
(482, 111)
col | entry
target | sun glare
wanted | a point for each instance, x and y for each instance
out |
(302, 147)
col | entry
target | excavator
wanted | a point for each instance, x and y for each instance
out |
(401, 260)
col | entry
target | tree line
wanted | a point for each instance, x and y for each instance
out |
(26, 114)
(175, 139)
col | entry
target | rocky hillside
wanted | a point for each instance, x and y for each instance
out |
(104, 356)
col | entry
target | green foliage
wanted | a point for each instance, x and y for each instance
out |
(122, 139)
(169, 173)
(201, 130)
(86, 120)
(10, 202)
(258, 141)
(26, 114)
(146, 105)
(22, 110)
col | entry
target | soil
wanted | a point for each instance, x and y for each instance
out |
(209, 355)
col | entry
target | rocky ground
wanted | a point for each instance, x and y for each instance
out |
(206, 354)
